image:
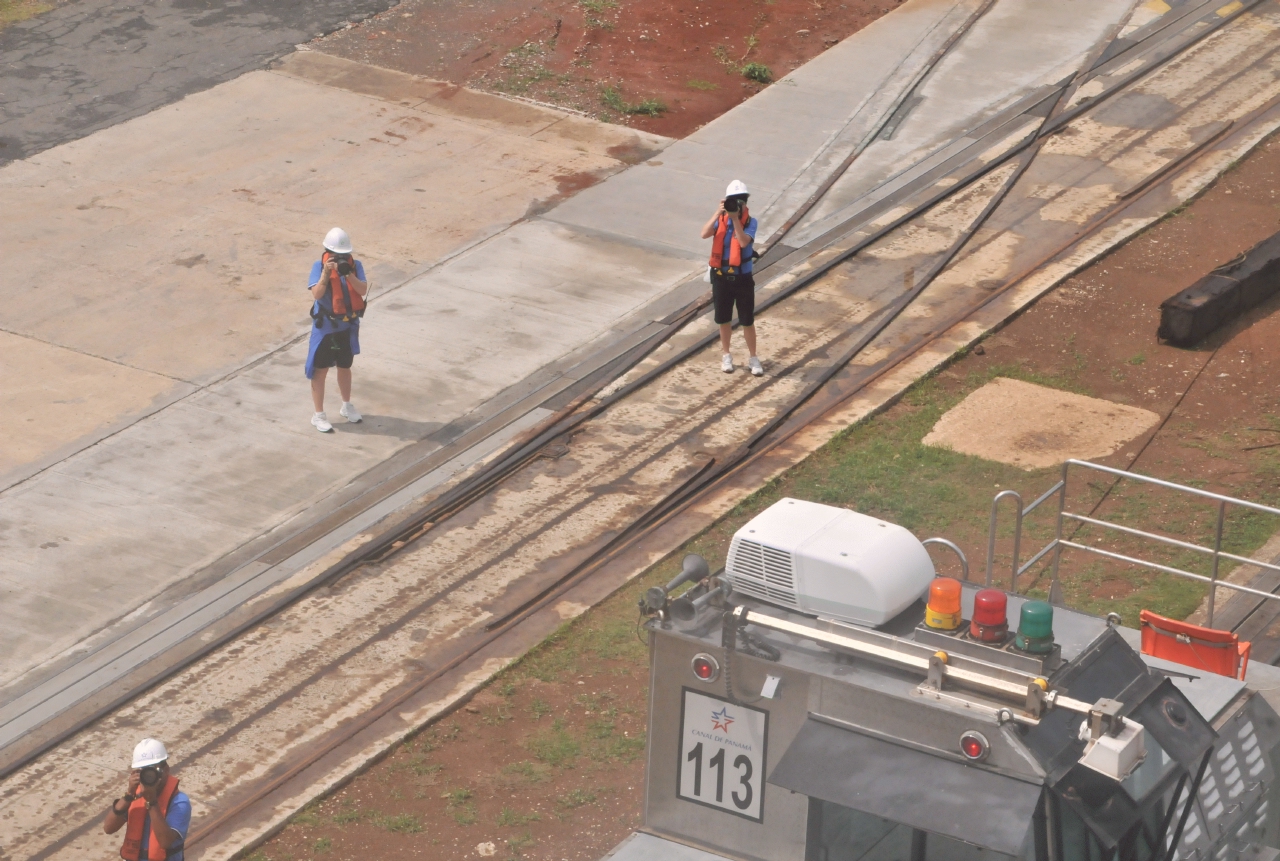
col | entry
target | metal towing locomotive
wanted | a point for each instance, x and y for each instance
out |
(827, 697)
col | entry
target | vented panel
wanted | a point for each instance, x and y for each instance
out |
(1231, 809)
(762, 572)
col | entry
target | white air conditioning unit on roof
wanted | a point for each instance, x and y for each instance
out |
(830, 562)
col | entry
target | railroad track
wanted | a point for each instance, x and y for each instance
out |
(853, 302)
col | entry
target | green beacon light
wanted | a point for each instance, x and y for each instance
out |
(1035, 628)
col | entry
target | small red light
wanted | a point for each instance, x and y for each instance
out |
(705, 667)
(973, 746)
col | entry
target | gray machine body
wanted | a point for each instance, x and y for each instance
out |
(856, 758)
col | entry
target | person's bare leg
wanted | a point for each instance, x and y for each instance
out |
(749, 332)
(726, 329)
(317, 387)
(344, 384)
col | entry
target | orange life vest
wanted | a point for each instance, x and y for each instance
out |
(346, 303)
(132, 848)
(717, 245)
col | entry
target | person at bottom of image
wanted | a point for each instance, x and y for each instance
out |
(154, 814)
(733, 234)
(338, 287)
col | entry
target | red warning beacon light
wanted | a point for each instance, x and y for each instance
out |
(705, 667)
(990, 623)
(942, 613)
(974, 746)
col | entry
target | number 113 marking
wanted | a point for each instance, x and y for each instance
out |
(742, 763)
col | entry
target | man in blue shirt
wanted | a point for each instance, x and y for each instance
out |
(156, 814)
(338, 287)
(733, 232)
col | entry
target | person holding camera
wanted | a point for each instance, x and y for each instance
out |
(338, 288)
(733, 232)
(153, 813)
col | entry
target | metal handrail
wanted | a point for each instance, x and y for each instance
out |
(1017, 532)
(1060, 542)
(954, 548)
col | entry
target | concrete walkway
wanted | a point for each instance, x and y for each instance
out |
(167, 450)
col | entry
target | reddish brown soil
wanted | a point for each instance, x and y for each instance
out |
(681, 59)
(546, 763)
(1099, 330)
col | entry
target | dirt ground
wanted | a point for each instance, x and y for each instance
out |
(664, 66)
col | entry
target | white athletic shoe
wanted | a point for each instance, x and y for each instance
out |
(726, 363)
(754, 364)
(350, 413)
(320, 422)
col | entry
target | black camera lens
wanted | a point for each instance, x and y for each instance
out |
(731, 204)
(149, 776)
(344, 267)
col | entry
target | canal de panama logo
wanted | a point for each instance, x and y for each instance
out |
(721, 719)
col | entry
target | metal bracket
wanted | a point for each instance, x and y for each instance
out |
(937, 670)
(1036, 699)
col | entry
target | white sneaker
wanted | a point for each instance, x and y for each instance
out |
(320, 422)
(754, 364)
(350, 413)
(726, 363)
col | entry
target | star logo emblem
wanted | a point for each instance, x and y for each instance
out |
(721, 719)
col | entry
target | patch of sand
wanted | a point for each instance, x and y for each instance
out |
(1033, 427)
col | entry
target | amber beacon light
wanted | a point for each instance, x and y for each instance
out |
(943, 610)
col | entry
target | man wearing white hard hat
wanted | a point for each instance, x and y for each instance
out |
(338, 289)
(733, 233)
(154, 814)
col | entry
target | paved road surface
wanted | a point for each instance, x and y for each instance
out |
(90, 64)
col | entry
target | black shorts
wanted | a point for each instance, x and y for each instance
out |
(335, 349)
(730, 290)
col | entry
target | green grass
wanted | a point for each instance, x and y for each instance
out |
(597, 7)
(612, 99)
(516, 845)
(324, 844)
(457, 796)
(758, 72)
(531, 772)
(15, 11)
(510, 818)
(705, 86)
(348, 815)
(575, 798)
(555, 746)
(404, 823)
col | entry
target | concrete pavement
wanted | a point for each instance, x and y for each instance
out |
(90, 64)
(159, 416)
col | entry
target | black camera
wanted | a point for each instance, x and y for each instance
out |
(345, 266)
(150, 775)
(733, 204)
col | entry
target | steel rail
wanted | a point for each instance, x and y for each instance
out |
(843, 168)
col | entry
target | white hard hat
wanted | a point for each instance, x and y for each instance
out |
(149, 752)
(736, 187)
(337, 241)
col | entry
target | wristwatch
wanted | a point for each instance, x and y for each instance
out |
(149, 806)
